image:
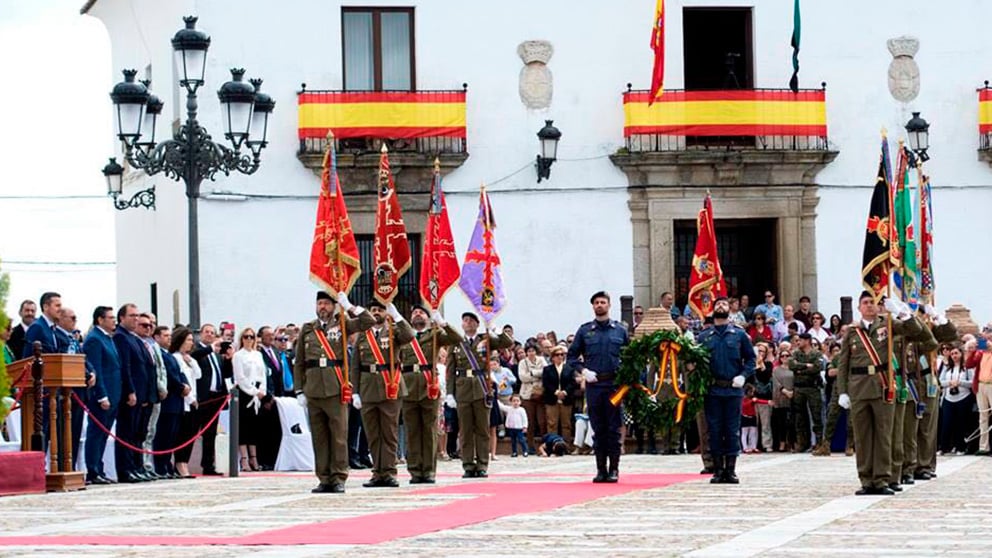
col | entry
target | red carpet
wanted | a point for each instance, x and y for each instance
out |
(22, 472)
(494, 500)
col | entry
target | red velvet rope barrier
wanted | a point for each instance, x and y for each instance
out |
(226, 398)
(17, 398)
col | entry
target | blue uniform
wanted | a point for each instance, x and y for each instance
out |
(599, 344)
(731, 354)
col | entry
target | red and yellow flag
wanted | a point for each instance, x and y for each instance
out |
(439, 270)
(334, 264)
(658, 47)
(392, 249)
(706, 278)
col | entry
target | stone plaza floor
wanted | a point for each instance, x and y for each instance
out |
(786, 505)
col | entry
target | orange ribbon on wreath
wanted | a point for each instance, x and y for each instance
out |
(669, 365)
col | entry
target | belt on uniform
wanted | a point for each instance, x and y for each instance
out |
(470, 373)
(373, 368)
(316, 363)
(863, 370)
(408, 368)
(601, 377)
(723, 383)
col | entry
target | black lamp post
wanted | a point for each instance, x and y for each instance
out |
(549, 136)
(918, 132)
(114, 174)
(190, 155)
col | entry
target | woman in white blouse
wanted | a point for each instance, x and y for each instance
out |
(530, 370)
(180, 347)
(249, 376)
(958, 400)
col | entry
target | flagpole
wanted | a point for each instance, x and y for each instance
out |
(434, 273)
(341, 313)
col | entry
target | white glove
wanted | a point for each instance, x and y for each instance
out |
(823, 376)
(737, 382)
(844, 401)
(394, 313)
(450, 401)
(344, 302)
(898, 308)
(590, 375)
(356, 401)
(930, 311)
(302, 400)
(941, 319)
(438, 318)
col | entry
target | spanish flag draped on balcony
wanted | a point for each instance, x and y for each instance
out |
(391, 249)
(381, 114)
(334, 263)
(439, 269)
(482, 281)
(876, 257)
(706, 278)
(658, 47)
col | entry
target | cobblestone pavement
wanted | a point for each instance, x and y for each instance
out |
(786, 505)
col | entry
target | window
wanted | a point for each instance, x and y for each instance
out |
(378, 49)
(409, 287)
(717, 48)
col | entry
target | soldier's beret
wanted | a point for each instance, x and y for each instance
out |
(470, 315)
(599, 294)
(376, 304)
(420, 307)
(324, 295)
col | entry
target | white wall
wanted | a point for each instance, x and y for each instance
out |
(254, 253)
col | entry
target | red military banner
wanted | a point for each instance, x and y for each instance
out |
(334, 263)
(392, 250)
(439, 270)
(706, 279)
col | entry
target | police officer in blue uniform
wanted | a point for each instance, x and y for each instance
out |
(598, 343)
(731, 362)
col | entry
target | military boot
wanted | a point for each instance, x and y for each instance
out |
(613, 475)
(601, 473)
(822, 449)
(717, 470)
(729, 470)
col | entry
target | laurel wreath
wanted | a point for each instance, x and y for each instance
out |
(659, 414)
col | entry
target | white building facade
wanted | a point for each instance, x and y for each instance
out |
(611, 216)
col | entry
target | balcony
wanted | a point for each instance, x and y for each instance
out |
(732, 137)
(416, 126)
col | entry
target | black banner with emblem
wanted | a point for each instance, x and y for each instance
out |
(875, 259)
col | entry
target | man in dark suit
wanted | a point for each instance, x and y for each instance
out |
(43, 330)
(139, 392)
(171, 409)
(69, 342)
(209, 388)
(27, 312)
(270, 435)
(101, 356)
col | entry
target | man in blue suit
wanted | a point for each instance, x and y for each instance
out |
(67, 335)
(139, 392)
(101, 355)
(43, 329)
(171, 409)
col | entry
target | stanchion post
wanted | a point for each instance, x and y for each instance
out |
(232, 434)
(627, 312)
(37, 373)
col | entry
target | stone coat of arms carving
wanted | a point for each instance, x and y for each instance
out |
(904, 74)
(536, 85)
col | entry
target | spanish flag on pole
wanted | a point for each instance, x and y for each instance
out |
(658, 46)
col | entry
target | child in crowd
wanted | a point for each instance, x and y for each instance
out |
(552, 444)
(749, 420)
(516, 424)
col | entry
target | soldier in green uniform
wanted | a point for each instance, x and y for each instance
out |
(862, 377)
(943, 331)
(908, 351)
(420, 406)
(833, 411)
(381, 389)
(469, 391)
(322, 385)
(806, 364)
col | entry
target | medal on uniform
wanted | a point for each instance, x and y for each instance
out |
(323, 362)
(871, 369)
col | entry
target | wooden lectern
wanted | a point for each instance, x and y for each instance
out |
(60, 373)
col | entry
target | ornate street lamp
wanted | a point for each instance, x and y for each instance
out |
(918, 133)
(114, 174)
(190, 155)
(549, 136)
